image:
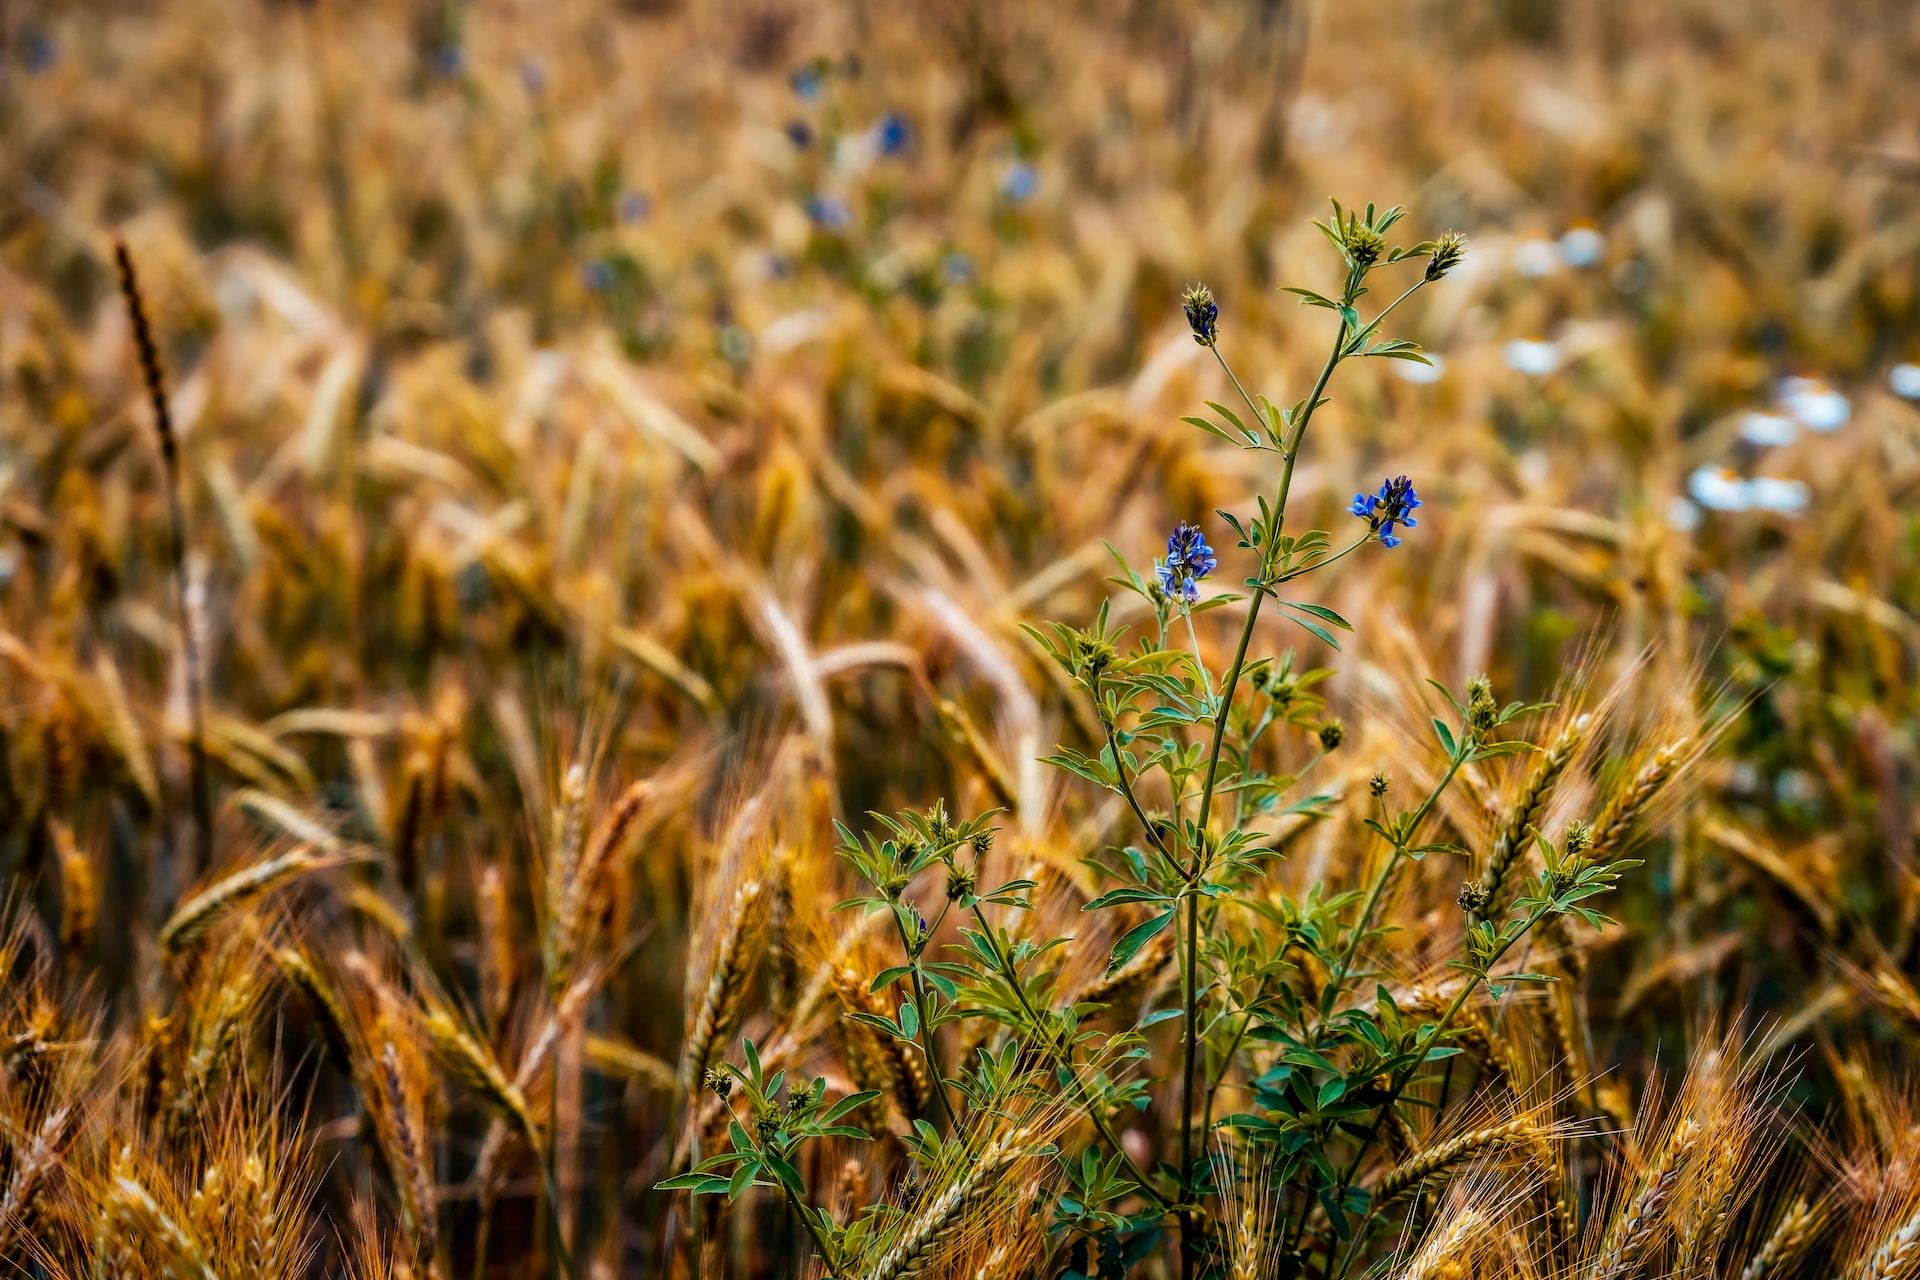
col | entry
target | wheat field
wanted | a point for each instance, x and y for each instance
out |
(727, 638)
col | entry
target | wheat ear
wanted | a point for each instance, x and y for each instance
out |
(1785, 1243)
(726, 986)
(1403, 1180)
(200, 913)
(1898, 1255)
(32, 1163)
(496, 943)
(77, 887)
(1710, 1212)
(131, 1201)
(1625, 808)
(321, 997)
(1629, 1236)
(155, 378)
(925, 1229)
(473, 1064)
(413, 1174)
(1439, 1256)
(622, 1060)
(1511, 842)
(907, 1072)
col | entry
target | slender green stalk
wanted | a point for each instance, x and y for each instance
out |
(1189, 1020)
(1062, 1056)
(926, 1026)
(1404, 1077)
(1385, 874)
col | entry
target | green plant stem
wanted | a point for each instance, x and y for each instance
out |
(1126, 790)
(1062, 1056)
(819, 1243)
(1404, 1077)
(1189, 1020)
(926, 1023)
(1380, 880)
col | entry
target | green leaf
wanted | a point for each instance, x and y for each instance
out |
(742, 1178)
(1318, 630)
(1445, 735)
(1214, 429)
(1135, 938)
(1230, 416)
(1321, 612)
(851, 1102)
(1130, 893)
(1156, 1018)
(888, 977)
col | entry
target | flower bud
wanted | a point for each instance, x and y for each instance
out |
(1203, 314)
(1377, 785)
(1331, 733)
(1446, 255)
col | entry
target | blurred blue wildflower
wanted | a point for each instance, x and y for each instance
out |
(830, 212)
(597, 275)
(806, 83)
(1018, 182)
(957, 267)
(800, 133)
(1393, 505)
(635, 206)
(892, 134)
(449, 59)
(38, 51)
(1189, 559)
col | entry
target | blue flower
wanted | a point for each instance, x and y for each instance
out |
(892, 134)
(829, 212)
(634, 206)
(1393, 505)
(806, 83)
(1189, 559)
(1019, 181)
(597, 275)
(957, 268)
(800, 133)
(1203, 314)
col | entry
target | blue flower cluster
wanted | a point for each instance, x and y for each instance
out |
(1393, 505)
(1189, 559)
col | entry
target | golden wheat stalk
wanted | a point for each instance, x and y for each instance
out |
(200, 913)
(131, 1202)
(927, 1227)
(1403, 1180)
(1628, 1238)
(1440, 1255)
(1511, 842)
(1898, 1256)
(1785, 1243)
(150, 370)
(471, 1062)
(413, 1168)
(623, 1060)
(719, 1008)
(1616, 821)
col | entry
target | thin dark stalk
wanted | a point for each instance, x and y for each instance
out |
(151, 371)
